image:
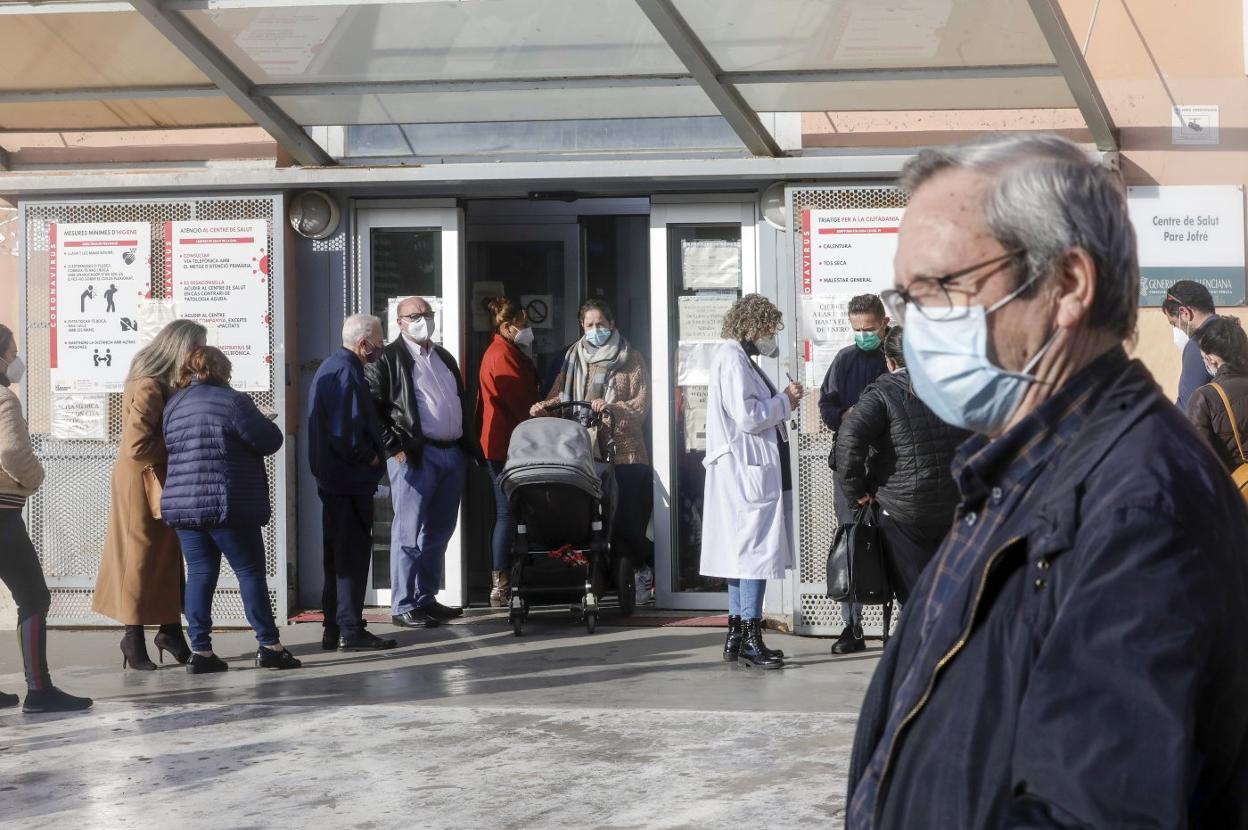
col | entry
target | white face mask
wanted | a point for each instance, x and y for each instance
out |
(421, 331)
(767, 347)
(1180, 338)
(15, 371)
(524, 338)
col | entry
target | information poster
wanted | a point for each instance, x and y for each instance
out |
(80, 417)
(848, 251)
(99, 273)
(1189, 233)
(217, 273)
(694, 419)
(701, 316)
(710, 263)
(825, 319)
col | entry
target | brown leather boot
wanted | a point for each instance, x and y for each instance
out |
(500, 590)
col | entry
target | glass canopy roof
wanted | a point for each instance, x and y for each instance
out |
(288, 64)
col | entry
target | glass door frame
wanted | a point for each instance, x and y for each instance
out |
(446, 216)
(723, 209)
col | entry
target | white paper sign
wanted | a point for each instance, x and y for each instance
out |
(848, 251)
(392, 317)
(99, 273)
(693, 363)
(710, 263)
(154, 315)
(282, 42)
(1189, 233)
(540, 309)
(825, 318)
(701, 316)
(694, 417)
(218, 274)
(80, 417)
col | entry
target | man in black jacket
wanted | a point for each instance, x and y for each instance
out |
(426, 427)
(853, 369)
(908, 477)
(1075, 655)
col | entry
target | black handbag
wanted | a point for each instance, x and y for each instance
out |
(856, 561)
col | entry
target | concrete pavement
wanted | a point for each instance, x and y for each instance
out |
(462, 726)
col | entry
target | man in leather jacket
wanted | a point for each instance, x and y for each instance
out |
(426, 432)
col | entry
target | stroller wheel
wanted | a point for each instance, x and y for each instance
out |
(626, 586)
(591, 622)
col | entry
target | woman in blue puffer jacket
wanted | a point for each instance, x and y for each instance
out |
(216, 496)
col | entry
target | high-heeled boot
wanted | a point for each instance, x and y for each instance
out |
(500, 589)
(732, 645)
(753, 653)
(171, 639)
(134, 650)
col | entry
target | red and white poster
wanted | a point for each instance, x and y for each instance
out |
(848, 251)
(217, 273)
(99, 273)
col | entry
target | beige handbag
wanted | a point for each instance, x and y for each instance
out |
(154, 488)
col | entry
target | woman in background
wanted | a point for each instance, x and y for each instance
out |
(140, 579)
(508, 390)
(217, 498)
(1224, 347)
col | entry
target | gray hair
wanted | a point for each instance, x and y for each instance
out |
(1048, 197)
(749, 317)
(358, 327)
(163, 358)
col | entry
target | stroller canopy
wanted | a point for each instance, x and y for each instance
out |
(551, 451)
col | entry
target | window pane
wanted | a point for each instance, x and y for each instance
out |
(704, 261)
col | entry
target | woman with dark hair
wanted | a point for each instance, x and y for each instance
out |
(140, 578)
(20, 571)
(508, 389)
(604, 369)
(1224, 347)
(217, 498)
(908, 476)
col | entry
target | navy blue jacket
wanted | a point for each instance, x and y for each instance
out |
(344, 436)
(852, 371)
(217, 442)
(1194, 373)
(1099, 672)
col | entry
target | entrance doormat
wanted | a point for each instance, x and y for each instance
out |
(549, 615)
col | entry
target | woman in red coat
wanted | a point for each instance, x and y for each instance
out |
(508, 384)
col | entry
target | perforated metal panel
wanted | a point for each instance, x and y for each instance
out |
(68, 516)
(814, 613)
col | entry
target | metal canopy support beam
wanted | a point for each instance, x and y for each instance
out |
(4, 161)
(1070, 60)
(694, 55)
(231, 81)
(112, 93)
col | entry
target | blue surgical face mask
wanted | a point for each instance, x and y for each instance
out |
(597, 336)
(951, 372)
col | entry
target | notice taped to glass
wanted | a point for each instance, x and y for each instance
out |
(848, 251)
(217, 273)
(99, 272)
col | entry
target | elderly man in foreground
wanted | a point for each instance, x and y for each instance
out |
(1075, 655)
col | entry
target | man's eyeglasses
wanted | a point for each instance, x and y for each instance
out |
(412, 318)
(931, 296)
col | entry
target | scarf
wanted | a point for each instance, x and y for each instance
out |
(587, 369)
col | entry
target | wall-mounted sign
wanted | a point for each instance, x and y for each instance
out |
(701, 316)
(80, 417)
(217, 273)
(99, 273)
(540, 309)
(1194, 125)
(848, 251)
(1189, 233)
(710, 263)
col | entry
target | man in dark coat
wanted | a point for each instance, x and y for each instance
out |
(347, 459)
(1075, 655)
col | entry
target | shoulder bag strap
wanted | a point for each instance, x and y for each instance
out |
(1230, 413)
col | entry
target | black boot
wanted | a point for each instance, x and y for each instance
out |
(134, 650)
(850, 641)
(774, 652)
(171, 639)
(732, 645)
(753, 652)
(7, 700)
(52, 699)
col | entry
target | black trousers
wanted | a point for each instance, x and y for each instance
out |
(347, 526)
(907, 550)
(635, 484)
(22, 574)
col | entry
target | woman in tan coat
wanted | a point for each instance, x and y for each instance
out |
(140, 580)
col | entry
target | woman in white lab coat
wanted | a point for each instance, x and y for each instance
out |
(747, 508)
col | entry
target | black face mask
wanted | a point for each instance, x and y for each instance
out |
(372, 355)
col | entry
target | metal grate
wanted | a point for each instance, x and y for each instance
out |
(68, 516)
(816, 524)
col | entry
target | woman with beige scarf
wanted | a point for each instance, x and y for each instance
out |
(604, 369)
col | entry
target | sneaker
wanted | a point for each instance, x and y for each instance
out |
(52, 699)
(267, 658)
(643, 582)
(850, 641)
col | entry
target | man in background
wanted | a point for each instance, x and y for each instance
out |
(853, 369)
(1188, 306)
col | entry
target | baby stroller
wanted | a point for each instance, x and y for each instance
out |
(563, 501)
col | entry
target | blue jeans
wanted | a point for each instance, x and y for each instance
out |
(745, 598)
(243, 548)
(504, 523)
(426, 510)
